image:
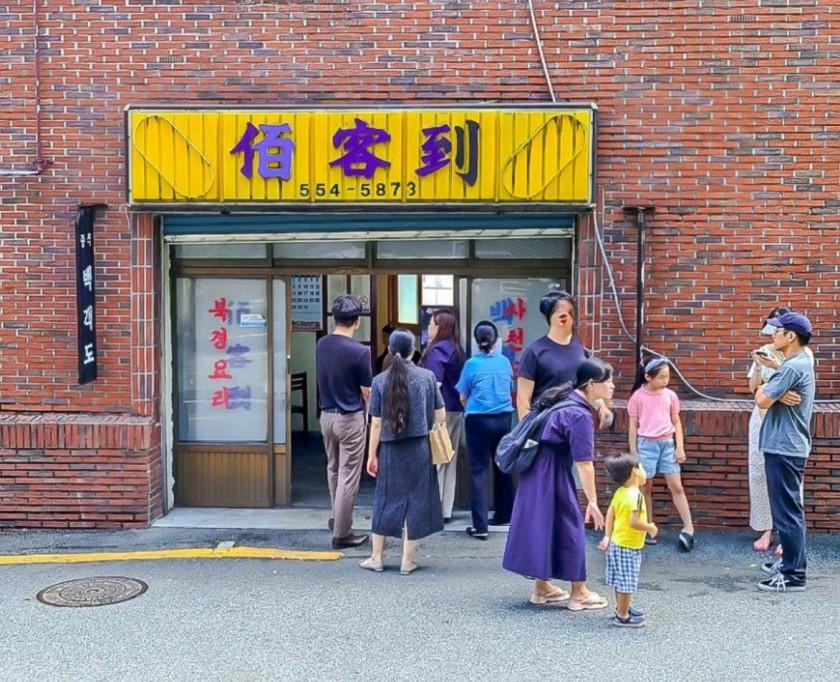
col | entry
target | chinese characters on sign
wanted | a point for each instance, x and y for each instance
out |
(357, 158)
(412, 155)
(85, 295)
(307, 303)
(437, 147)
(274, 150)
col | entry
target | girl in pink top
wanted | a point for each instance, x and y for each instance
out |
(656, 436)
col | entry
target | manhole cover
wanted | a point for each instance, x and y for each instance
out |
(92, 591)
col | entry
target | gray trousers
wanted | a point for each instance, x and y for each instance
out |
(344, 441)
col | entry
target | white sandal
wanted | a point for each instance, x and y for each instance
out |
(371, 565)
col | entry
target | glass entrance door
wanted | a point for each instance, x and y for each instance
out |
(224, 401)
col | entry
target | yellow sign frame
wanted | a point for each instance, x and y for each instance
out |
(477, 155)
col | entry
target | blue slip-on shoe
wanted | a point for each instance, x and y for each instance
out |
(632, 612)
(630, 622)
(686, 541)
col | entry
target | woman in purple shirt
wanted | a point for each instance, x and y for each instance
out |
(546, 540)
(444, 357)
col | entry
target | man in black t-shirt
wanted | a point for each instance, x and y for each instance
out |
(344, 379)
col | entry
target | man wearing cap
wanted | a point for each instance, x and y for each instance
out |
(785, 440)
(344, 379)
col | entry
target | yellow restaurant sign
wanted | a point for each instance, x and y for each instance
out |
(266, 156)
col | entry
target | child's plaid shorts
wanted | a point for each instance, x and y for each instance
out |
(623, 566)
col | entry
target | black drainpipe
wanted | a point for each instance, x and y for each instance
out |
(641, 212)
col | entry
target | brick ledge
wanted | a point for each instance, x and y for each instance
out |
(80, 431)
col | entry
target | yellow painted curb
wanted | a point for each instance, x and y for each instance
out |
(152, 555)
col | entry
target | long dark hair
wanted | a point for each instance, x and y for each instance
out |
(395, 409)
(651, 367)
(447, 324)
(590, 371)
(486, 334)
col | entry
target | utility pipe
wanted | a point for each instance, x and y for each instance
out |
(640, 211)
(40, 164)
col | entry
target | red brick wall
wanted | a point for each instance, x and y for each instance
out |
(73, 471)
(714, 113)
(715, 475)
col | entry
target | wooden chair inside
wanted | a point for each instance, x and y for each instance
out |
(299, 384)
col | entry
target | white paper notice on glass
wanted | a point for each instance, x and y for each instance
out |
(307, 302)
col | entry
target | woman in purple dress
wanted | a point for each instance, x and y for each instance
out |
(444, 357)
(546, 539)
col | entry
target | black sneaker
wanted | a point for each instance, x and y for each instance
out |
(478, 534)
(772, 567)
(686, 541)
(630, 622)
(781, 583)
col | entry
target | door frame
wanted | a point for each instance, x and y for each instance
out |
(280, 455)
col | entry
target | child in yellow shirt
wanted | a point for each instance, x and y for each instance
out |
(624, 536)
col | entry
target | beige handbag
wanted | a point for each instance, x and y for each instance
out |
(440, 444)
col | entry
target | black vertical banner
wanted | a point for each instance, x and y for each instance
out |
(85, 295)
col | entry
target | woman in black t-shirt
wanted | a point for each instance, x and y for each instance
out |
(553, 360)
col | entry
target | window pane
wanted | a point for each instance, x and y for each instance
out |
(513, 304)
(534, 248)
(360, 286)
(222, 351)
(336, 286)
(220, 251)
(438, 290)
(407, 299)
(421, 248)
(326, 250)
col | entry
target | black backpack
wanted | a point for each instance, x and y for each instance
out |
(518, 449)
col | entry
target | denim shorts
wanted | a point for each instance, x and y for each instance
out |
(657, 456)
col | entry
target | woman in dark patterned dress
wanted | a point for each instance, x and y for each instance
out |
(405, 403)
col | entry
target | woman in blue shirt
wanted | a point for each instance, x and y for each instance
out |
(485, 387)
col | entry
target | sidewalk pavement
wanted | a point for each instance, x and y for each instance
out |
(459, 617)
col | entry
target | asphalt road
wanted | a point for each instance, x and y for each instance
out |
(459, 617)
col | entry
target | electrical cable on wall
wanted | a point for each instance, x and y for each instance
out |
(538, 40)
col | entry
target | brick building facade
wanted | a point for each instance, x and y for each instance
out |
(718, 115)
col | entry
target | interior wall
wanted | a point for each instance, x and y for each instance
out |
(303, 360)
